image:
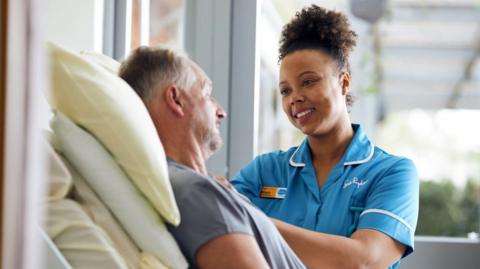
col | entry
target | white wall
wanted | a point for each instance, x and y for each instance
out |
(443, 253)
(75, 24)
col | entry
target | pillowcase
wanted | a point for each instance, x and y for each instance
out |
(104, 61)
(107, 107)
(106, 178)
(101, 216)
(60, 179)
(83, 244)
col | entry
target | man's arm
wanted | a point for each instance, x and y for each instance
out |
(365, 249)
(234, 250)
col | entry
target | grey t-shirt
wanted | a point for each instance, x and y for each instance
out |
(208, 209)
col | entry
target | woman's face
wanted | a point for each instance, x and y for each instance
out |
(313, 91)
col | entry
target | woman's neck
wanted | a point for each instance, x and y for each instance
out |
(330, 147)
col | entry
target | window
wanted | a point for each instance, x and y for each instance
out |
(157, 22)
(445, 148)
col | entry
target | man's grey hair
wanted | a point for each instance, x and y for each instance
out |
(150, 68)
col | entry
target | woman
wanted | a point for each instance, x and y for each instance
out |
(339, 201)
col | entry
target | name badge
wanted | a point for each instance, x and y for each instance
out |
(273, 192)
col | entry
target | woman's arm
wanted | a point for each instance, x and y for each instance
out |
(392, 207)
(365, 249)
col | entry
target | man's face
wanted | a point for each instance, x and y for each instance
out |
(206, 113)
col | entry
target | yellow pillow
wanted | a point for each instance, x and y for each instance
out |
(103, 60)
(106, 106)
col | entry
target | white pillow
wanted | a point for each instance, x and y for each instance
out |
(60, 179)
(107, 107)
(101, 216)
(107, 179)
(81, 242)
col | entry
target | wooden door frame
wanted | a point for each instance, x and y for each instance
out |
(3, 75)
(23, 164)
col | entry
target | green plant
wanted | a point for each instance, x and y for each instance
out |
(447, 210)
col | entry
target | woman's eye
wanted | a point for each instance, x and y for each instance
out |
(307, 82)
(284, 91)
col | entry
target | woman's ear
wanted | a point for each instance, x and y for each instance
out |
(345, 82)
(172, 96)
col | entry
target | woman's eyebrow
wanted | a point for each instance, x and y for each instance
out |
(306, 73)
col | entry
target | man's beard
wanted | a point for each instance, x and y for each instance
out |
(210, 139)
(215, 142)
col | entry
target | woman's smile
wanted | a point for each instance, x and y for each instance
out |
(303, 115)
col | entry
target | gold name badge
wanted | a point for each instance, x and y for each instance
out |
(273, 192)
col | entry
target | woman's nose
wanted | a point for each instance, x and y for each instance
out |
(296, 97)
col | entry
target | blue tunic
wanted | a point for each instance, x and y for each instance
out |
(367, 189)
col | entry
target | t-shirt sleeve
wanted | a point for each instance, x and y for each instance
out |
(247, 181)
(392, 205)
(208, 211)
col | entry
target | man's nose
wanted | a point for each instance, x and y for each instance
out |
(221, 114)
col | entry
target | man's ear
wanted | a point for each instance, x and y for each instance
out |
(345, 82)
(173, 101)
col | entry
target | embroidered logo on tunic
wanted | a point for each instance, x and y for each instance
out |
(354, 181)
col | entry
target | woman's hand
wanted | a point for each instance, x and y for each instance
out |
(225, 182)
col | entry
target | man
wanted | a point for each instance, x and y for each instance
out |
(219, 228)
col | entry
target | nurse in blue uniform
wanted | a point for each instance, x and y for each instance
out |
(338, 200)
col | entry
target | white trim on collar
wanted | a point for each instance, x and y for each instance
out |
(369, 157)
(294, 164)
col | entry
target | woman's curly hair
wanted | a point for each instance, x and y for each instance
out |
(315, 27)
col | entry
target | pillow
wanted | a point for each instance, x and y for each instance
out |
(60, 179)
(84, 196)
(83, 244)
(107, 179)
(107, 107)
(103, 60)
(98, 212)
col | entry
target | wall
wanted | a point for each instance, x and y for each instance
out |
(84, 32)
(450, 253)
